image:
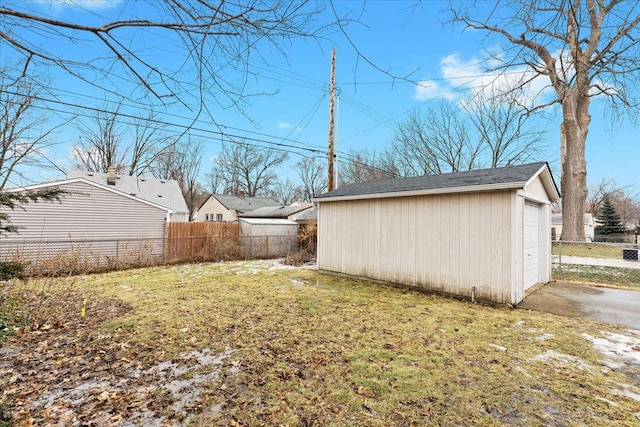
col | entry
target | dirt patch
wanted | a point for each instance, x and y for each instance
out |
(73, 375)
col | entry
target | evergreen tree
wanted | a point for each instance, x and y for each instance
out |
(609, 222)
(11, 200)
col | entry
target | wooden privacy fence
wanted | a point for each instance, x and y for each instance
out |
(203, 241)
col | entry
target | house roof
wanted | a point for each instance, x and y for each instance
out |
(274, 212)
(308, 215)
(510, 177)
(110, 188)
(163, 192)
(556, 219)
(243, 204)
(268, 221)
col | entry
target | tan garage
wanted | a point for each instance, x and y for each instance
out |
(482, 233)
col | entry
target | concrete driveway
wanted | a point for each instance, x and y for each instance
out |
(615, 306)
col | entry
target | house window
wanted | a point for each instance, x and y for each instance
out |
(219, 217)
(206, 217)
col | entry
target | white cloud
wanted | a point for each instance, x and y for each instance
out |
(58, 5)
(429, 89)
(284, 125)
(470, 77)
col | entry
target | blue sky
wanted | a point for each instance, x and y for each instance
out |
(394, 35)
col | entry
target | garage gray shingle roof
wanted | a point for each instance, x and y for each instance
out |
(516, 175)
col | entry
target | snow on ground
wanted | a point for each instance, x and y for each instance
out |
(618, 349)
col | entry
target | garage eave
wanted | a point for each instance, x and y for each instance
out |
(465, 189)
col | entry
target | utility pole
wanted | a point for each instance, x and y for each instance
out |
(331, 94)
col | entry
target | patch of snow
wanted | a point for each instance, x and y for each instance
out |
(626, 392)
(544, 337)
(499, 347)
(618, 349)
(561, 360)
(523, 371)
(610, 402)
(184, 379)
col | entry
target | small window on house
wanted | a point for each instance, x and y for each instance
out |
(219, 217)
(206, 217)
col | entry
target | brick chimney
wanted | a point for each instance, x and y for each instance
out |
(111, 175)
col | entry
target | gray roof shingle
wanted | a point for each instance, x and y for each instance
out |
(274, 212)
(516, 175)
(163, 192)
(243, 204)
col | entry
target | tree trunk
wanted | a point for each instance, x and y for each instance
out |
(576, 118)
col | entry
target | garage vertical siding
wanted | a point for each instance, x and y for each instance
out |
(447, 242)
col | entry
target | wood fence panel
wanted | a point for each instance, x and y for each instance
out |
(204, 241)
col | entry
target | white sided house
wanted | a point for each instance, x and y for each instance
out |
(482, 234)
(92, 223)
(162, 192)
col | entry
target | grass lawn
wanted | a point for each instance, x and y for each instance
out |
(252, 344)
(616, 277)
(594, 250)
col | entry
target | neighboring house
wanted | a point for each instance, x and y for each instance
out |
(291, 212)
(309, 216)
(163, 192)
(225, 208)
(94, 222)
(589, 227)
(482, 234)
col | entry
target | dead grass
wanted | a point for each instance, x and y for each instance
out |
(310, 349)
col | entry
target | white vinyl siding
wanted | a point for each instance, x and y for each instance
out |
(88, 212)
(90, 225)
(449, 242)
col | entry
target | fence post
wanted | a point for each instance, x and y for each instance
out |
(560, 258)
(117, 253)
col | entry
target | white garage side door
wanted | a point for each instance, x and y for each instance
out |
(531, 244)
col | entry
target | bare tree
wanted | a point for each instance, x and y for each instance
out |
(109, 140)
(313, 175)
(625, 199)
(504, 131)
(584, 48)
(24, 136)
(438, 142)
(209, 37)
(148, 140)
(249, 169)
(100, 144)
(286, 192)
(181, 162)
(365, 166)
(215, 180)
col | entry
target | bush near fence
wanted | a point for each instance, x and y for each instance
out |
(599, 263)
(82, 256)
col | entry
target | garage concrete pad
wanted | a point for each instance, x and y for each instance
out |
(614, 306)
